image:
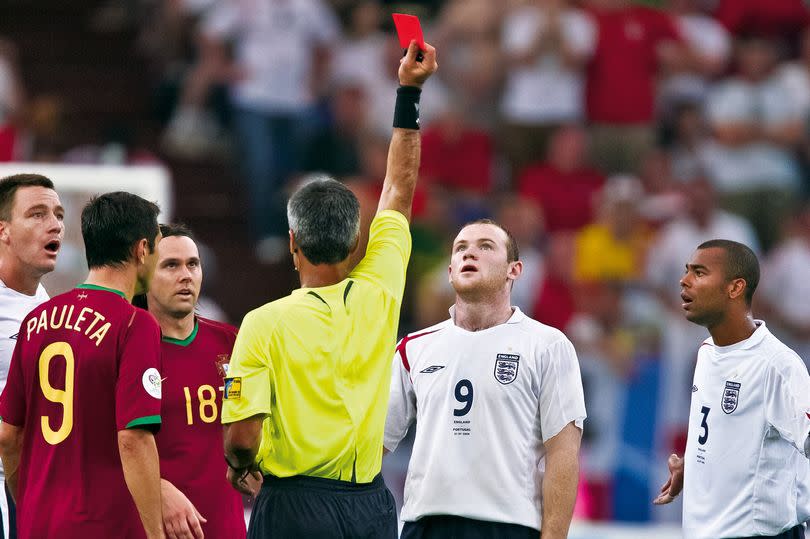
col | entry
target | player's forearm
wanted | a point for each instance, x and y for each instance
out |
(139, 460)
(559, 495)
(402, 171)
(242, 440)
(11, 439)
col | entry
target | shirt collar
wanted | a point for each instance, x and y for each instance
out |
(756, 337)
(517, 315)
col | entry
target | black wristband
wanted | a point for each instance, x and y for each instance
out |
(406, 111)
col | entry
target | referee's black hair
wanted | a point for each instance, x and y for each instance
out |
(324, 216)
(113, 223)
(741, 263)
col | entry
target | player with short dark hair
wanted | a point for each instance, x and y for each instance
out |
(492, 382)
(31, 231)
(82, 400)
(306, 392)
(745, 472)
(197, 498)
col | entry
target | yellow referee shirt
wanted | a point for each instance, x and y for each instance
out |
(318, 363)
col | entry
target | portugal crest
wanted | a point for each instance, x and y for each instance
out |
(731, 396)
(222, 363)
(506, 368)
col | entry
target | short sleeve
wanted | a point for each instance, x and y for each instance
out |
(138, 388)
(561, 396)
(248, 387)
(787, 401)
(401, 404)
(387, 254)
(12, 401)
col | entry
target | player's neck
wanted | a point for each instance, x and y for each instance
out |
(476, 314)
(173, 327)
(121, 279)
(15, 277)
(733, 329)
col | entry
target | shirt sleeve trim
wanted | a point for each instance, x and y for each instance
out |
(146, 420)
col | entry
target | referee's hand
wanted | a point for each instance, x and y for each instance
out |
(245, 481)
(674, 484)
(413, 72)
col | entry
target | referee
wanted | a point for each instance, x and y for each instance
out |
(306, 393)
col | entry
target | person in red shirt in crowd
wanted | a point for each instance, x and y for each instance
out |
(456, 155)
(634, 43)
(773, 19)
(563, 185)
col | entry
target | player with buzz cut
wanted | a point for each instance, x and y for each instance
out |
(305, 397)
(31, 231)
(82, 399)
(745, 472)
(198, 500)
(498, 403)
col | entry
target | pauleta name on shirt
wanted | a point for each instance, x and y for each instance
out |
(62, 316)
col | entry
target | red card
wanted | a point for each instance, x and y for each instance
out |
(408, 28)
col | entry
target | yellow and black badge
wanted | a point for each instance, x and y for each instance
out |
(233, 388)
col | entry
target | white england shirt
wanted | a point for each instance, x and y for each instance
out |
(746, 472)
(14, 306)
(484, 403)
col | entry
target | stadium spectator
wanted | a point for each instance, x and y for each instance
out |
(11, 102)
(756, 128)
(690, 134)
(287, 410)
(783, 296)
(634, 43)
(279, 68)
(555, 304)
(31, 233)
(468, 33)
(84, 387)
(782, 20)
(564, 186)
(546, 44)
(614, 247)
(336, 149)
(795, 77)
(710, 47)
(489, 368)
(757, 447)
(458, 156)
(197, 498)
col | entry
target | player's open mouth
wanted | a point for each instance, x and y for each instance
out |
(686, 301)
(467, 268)
(52, 246)
(185, 292)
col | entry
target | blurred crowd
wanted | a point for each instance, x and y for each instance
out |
(610, 136)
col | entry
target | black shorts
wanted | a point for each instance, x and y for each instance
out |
(452, 527)
(302, 507)
(796, 532)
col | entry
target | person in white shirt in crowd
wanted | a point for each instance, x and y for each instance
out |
(756, 128)
(745, 472)
(281, 55)
(710, 51)
(796, 77)
(701, 221)
(499, 405)
(546, 44)
(31, 232)
(785, 286)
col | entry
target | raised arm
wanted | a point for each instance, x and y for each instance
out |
(405, 149)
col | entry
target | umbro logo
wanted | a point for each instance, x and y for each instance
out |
(14, 336)
(694, 388)
(431, 369)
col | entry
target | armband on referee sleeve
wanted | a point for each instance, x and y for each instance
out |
(406, 111)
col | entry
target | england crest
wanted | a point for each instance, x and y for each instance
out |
(506, 368)
(731, 396)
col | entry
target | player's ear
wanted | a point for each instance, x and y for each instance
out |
(736, 288)
(140, 250)
(293, 245)
(4, 232)
(515, 269)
